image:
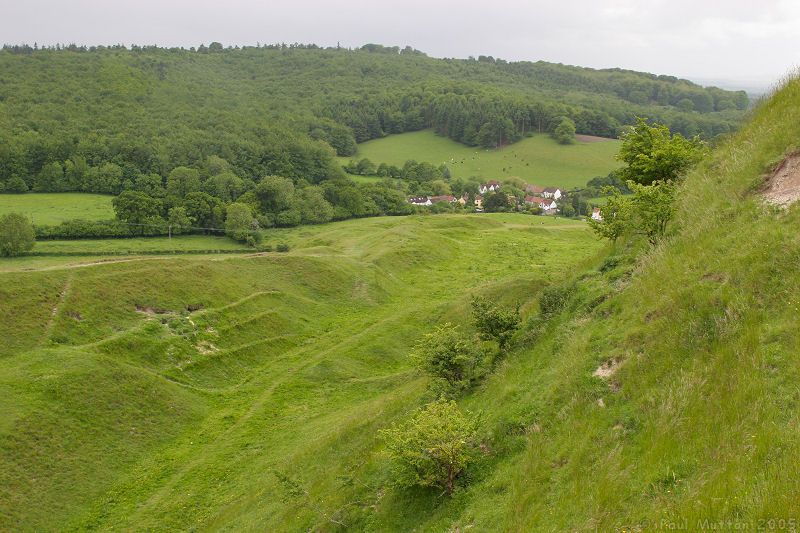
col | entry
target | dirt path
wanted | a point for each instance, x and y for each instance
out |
(783, 186)
(62, 297)
(592, 139)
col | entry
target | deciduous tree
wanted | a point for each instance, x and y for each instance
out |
(564, 133)
(16, 234)
(651, 154)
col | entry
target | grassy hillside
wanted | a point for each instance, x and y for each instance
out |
(694, 422)
(53, 208)
(123, 409)
(537, 159)
(658, 391)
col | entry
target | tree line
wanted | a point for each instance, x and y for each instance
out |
(96, 119)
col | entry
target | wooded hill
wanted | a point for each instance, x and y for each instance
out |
(287, 110)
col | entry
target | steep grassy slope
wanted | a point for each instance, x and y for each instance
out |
(695, 424)
(538, 159)
(123, 409)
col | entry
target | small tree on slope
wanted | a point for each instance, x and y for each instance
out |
(449, 357)
(434, 447)
(494, 322)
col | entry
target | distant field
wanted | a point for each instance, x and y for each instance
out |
(84, 251)
(181, 243)
(53, 208)
(537, 159)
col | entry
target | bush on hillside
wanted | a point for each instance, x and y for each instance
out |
(16, 234)
(450, 357)
(554, 298)
(434, 447)
(98, 229)
(564, 133)
(494, 322)
(651, 153)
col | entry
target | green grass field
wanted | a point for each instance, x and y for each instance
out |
(537, 159)
(55, 254)
(290, 367)
(53, 208)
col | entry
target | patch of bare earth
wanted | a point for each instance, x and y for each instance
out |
(607, 369)
(206, 348)
(591, 139)
(783, 186)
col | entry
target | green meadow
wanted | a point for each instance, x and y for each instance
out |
(538, 159)
(183, 392)
(52, 208)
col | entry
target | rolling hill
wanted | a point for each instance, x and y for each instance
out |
(124, 409)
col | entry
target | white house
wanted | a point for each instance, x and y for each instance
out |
(490, 186)
(547, 205)
(552, 192)
(420, 200)
(596, 214)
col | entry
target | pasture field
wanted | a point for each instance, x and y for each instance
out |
(178, 243)
(121, 408)
(47, 209)
(58, 253)
(538, 159)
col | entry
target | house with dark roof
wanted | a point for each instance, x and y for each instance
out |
(489, 186)
(552, 192)
(420, 200)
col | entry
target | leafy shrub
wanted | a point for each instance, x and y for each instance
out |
(554, 298)
(282, 247)
(93, 229)
(434, 447)
(449, 357)
(494, 322)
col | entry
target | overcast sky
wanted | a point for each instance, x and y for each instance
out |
(745, 41)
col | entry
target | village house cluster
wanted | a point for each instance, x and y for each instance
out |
(544, 198)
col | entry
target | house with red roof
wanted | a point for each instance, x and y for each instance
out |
(449, 198)
(547, 205)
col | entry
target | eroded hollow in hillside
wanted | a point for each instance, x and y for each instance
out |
(783, 186)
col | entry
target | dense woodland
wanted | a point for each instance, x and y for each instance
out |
(207, 125)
